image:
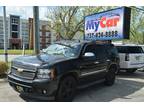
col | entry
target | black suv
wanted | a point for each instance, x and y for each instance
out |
(64, 66)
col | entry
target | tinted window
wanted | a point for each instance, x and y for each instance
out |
(112, 50)
(129, 49)
(90, 48)
(98, 50)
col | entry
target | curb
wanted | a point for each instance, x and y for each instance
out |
(3, 80)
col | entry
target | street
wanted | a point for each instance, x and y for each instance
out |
(10, 57)
(128, 87)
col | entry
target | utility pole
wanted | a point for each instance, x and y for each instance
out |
(52, 33)
(23, 46)
(36, 29)
(143, 37)
(5, 36)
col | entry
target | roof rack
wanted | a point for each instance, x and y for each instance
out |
(71, 40)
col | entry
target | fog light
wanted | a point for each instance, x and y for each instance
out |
(44, 91)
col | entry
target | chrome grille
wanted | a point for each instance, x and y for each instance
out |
(24, 66)
(23, 74)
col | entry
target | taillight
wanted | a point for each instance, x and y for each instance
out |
(127, 57)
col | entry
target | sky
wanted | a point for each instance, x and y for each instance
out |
(24, 11)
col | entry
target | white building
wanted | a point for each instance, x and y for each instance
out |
(2, 31)
(17, 31)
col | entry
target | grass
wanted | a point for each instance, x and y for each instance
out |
(17, 52)
(5, 74)
(4, 68)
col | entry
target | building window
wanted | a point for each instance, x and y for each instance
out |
(15, 20)
(40, 33)
(14, 35)
(48, 34)
(14, 27)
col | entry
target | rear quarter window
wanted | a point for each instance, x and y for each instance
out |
(129, 49)
(112, 50)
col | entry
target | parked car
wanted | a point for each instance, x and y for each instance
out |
(131, 57)
(142, 69)
(142, 47)
(63, 67)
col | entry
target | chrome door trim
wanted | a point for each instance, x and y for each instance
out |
(93, 72)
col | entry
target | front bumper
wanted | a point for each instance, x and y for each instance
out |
(38, 88)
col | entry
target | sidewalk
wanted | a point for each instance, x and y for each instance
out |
(3, 80)
(10, 57)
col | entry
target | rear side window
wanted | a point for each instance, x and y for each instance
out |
(112, 50)
(129, 49)
(100, 52)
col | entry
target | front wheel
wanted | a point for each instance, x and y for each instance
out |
(110, 76)
(66, 90)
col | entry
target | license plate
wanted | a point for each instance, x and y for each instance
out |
(19, 88)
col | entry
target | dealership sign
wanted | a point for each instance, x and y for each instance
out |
(108, 25)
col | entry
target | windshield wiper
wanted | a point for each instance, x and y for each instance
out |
(66, 45)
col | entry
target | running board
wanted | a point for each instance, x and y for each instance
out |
(90, 84)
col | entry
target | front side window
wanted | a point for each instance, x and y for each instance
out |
(90, 48)
(63, 50)
(98, 50)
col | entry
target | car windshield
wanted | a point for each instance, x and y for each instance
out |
(63, 50)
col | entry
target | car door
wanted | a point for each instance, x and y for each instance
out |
(102, 57)
(91, 69)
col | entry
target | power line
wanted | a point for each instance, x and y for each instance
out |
(140, 9)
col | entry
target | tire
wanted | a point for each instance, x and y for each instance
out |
(118, 71)
(66, 90)
(131, 70)
(110, 76)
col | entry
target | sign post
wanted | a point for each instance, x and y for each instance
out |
(36, 29)
(5, 36)
(108, 25)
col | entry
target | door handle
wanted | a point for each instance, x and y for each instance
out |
(96, 62)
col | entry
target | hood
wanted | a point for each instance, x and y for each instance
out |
(40, 59)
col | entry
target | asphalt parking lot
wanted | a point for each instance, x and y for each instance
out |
(128, 88)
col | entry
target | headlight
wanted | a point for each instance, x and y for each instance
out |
(43, 73)
(46, 73)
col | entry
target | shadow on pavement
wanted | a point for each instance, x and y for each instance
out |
(28, 99)
(137, 74)
(101, 93)
(121, 89)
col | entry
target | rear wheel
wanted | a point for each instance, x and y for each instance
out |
(110, 77)
(66, 90)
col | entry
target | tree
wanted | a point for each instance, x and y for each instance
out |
(136, 26)
(68, 21)
(65, 21)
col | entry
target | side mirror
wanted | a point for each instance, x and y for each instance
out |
(89, 55)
